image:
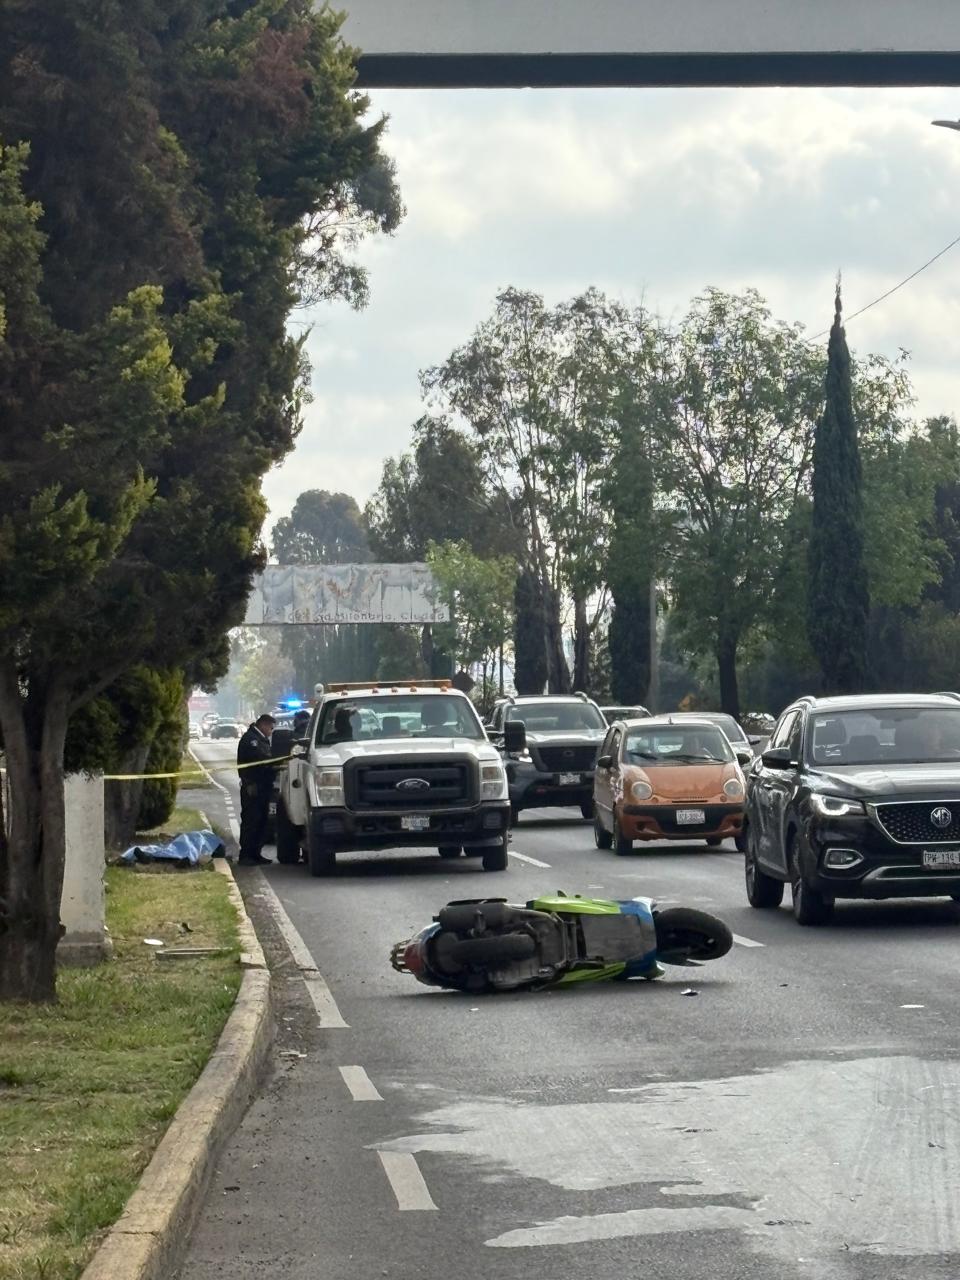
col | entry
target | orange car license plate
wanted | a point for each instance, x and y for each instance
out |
(691, 817)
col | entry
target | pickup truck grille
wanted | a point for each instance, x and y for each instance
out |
(408, 786)
(572, 759)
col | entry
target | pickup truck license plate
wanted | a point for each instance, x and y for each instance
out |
(415, 822)
(570, 779)
(949, 858)
(691, 817)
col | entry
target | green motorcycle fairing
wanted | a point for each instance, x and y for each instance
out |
(576, 906)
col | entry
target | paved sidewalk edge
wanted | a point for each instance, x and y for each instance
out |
(147, 1241)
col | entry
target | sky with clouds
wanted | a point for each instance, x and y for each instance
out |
(650, 195)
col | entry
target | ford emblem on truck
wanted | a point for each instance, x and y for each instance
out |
(413, 784)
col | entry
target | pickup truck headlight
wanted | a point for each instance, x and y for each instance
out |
(330, 787)
(493, 781)
(836, 806)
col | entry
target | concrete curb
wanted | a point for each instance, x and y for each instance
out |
(147, 1240)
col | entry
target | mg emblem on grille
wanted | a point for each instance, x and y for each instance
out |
(941, 818)
(413, 784)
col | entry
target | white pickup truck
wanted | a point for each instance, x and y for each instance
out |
(393, 766)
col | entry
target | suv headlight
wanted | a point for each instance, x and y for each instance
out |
(330, 787)
(641, 790)
(733, 789)
(835, 806)
(493, 781)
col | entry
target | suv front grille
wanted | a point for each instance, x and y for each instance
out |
(381, 786)
(568, 759)
(911, 822)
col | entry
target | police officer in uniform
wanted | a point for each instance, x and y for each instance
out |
(256, 788)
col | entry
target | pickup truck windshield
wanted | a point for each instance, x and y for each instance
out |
(375, 717)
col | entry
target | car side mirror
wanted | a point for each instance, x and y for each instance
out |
(778, 758)
(514, 737)
(754, 739)
(604, 762)
(744, 757)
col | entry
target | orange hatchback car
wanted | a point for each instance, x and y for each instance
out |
(660, 779)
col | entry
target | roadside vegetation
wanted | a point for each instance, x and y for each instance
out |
(774, 498)
(231, 168)
(89, 1084)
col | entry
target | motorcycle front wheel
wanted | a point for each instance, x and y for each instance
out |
(686, 934)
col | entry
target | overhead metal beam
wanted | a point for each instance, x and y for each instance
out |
(499, 43)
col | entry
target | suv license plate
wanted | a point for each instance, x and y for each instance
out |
(570, 780)
(415, 822)
(691, 817)
(942, 858)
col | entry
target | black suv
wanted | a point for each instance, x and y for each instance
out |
(856, 797)
(564, 735)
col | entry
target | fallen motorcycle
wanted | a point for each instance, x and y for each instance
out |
(489, 944)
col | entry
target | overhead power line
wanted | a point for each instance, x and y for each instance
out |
(890, 292)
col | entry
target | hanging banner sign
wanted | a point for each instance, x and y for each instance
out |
(337, 594)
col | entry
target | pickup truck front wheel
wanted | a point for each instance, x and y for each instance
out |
(495, 859)
(288, 837)
(321, 857)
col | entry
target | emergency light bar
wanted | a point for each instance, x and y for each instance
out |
(386, 686)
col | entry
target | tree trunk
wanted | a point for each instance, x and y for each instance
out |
(581, 647)
(31, 875)
(558, 673)
(727, 667)
(630, 649)
(531, 668)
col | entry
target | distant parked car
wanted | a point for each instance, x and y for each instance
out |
(625, 713)
(739, 738)
(194, 731)
(226, 729)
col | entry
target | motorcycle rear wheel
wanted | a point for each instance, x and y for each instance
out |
(462, 916)
(686, 934)
(489, 952)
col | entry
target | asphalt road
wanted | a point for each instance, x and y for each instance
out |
(798, 1117)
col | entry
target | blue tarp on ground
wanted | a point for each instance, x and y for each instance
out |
(191, 848)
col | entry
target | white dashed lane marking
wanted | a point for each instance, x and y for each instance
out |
(362, 1088)
(403, 1174)
(533, 862)
(746, 942)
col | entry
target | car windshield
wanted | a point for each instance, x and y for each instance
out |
(886, 735)
(405, 715)
(558, 717)
(677, 744)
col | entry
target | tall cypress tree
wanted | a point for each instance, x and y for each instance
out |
(630, 567)
(838, 597)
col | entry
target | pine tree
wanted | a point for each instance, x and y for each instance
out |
(838, 597)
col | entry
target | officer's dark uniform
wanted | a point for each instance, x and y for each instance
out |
(256, 788)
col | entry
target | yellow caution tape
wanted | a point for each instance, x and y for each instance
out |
(193, 773)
